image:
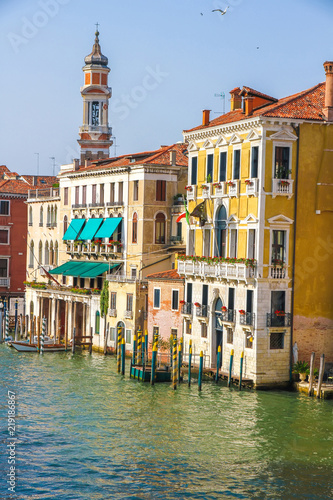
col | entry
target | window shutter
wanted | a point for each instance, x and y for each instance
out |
(223, 167)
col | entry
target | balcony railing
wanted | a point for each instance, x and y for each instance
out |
(201, 311)
(282, 187)
(51, 225)
(5, 282)
(281, 319)
(96, 204)
(43, 193)
(128, 314)
(79, 205)
(247, 319)
(119, 203)
(206, 190)
(233, 188)
(187, 308)
(220, 189)
(227, 271)
(191, 193)
(229, 316)
(112, 313)
(278, 272)
(252, 187)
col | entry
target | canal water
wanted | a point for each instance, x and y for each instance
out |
(85, 432)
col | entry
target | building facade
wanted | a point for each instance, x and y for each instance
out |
(248, 190)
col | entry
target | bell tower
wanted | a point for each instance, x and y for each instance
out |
(95, 133)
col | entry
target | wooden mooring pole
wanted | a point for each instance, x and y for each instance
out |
(174, 363)
(200, 371)
(123, 356)
(311, 374)
(241, 370)
(321, 374)
(153, 364)
(189, 362)
(218, 362)
(119, 349)
(230, 367)
(73, 340)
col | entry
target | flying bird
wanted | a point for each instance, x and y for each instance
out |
(220, 10)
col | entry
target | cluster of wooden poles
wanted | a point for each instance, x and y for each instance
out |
(320, 376)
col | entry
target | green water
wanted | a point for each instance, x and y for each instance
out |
(85, 432)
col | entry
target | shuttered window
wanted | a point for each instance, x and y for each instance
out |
(160, 190)
(223, 167)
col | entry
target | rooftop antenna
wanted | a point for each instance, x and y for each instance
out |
(37, 163)
(222, 95)
(53, 164)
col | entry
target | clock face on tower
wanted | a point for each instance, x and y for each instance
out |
(95, 113)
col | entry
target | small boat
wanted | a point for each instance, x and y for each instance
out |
(26, 347)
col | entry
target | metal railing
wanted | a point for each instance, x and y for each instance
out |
(280, 319)
(247, 319)
(43, 193)
(115, 203)
(79, 205)
(229, 315)
(228, 271)
(187, 308)
(201, 311)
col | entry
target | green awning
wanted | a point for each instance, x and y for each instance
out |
(108, 227)
(90, 229)
(74, 229)
(83, 269)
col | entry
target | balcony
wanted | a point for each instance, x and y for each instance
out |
(201, 311)
(247, 319)
(5, 282)
(282, 187)
(119, 203)
(220, 189)
(278, 272)
(233, 188)
(206, 191)
(112, 313)
(96, 204)
(187, 308)
(191, 193)
(79, 205)
(279, 319)
(43, 193)
(51, 225)
(252, 187)
(228, 316)
(128, 314)
(238, 272)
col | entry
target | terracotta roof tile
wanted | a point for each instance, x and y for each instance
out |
(165, 275)
(248, 90)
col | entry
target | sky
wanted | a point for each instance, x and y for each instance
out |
(275, 46)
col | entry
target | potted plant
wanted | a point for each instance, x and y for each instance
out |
(248, 182)
(188, 188)
(231, 183)
(196, 304)
(217, 185)
(209, 178)
(224, 309)
(242, 312)
(301, 367)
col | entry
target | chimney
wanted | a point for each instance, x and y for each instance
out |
(172, 157)
(87, 163)
(236, 99)
(35, 180)
(76, 164)
(328, 109)
(248, 105)
(205, 116)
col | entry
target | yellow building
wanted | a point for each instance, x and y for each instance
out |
(259, 195)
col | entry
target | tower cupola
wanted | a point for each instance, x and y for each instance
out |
(95, 133)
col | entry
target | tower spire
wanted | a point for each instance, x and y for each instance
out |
(95, 133)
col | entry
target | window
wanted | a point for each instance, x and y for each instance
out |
(249, 340)
(236, 166)
(189, 293)
(56, 253)
(3, 268)
(97, 322)
(31, 254)
(157, 298)
(223, 167)
(175, 300)
(51, 258)
(113, 300)
(230, 336)
(251, 248)
(112, 192)
(160, 228)
(30, 216)
(206, 247)
(160, 190)
(281, 170)
(77, 195)
(133, 272)
(4, 236)
(204, 299)
(120, 192)
(156, 332)
(254, 162)
(112, 334)
(4, 207)
(233, 243)
(81, 282)
(101, 194)
(276, 340)
(66, 196)
(204, 330)
(188, 327)
(93, 193)
(190, 242)
(249, 301)
(65, 223)
(135, 190)
(278, 247)
(41, 217)
(128, 337)
(135, 228)
(95, 113)
(40, 253)
(84, 195)
(174, 333)
(231, 298)
(129, 302)
(46, 253)
(194, 170)
(179, 231)
(209, 168)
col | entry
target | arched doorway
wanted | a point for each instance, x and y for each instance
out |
(217, 331)
(221, 232)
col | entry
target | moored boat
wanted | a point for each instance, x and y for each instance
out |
(26, 347)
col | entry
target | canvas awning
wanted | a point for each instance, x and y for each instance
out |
(108, 227)
(74, 229)
(83, 269)
(90, 229)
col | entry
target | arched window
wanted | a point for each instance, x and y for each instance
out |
(40, 253)
(65, 223)
(221, 232)
(135, 228)
(31, 255)
(52, 217)
(46, 254)
(51, 254)
(97, 322)
(56, 254)
(41, 217)
(48, 218)
(30, 216)
(160, 228)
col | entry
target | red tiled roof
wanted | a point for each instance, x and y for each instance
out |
(165, 275)
(305, 105)
(13, 183)
(248, 90)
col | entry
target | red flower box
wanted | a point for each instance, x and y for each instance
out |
(196, 304)
(241, 311)
(224, 309)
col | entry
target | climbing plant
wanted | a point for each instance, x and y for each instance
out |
(104, 299)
